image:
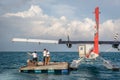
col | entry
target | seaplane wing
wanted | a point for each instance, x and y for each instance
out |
(114, 44)
(34, 40)
(88, 42)
(60, 41)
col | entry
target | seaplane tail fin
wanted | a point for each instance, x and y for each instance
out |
(95, 52)
(34, 40)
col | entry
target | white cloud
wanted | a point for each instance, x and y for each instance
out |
(43, 25)
(63, 18)
(109, 28)
(33, 11)
(57, 27)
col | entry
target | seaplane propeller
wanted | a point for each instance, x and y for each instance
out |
(69, 45)
(116, 44)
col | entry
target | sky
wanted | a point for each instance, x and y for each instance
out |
(55, 19)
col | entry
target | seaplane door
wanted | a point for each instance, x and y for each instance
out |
(82, 51)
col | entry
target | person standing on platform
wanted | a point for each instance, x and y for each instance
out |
(35, 57)
(44, 56)
(47, 57)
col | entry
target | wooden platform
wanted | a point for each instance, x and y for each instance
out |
(53, 67)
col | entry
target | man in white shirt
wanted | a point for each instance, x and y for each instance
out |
(44, 56)
(33, 62)
(35, 57)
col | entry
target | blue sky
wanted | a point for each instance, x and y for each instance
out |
(55, 19)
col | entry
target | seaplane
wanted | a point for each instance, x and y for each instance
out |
(87, 49)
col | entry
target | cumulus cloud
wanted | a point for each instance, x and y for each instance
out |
(42, 25)
(109, 28)
(33, 11)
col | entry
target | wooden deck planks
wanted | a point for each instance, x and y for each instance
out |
(52, 65)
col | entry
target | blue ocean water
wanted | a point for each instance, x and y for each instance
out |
(11, 61)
